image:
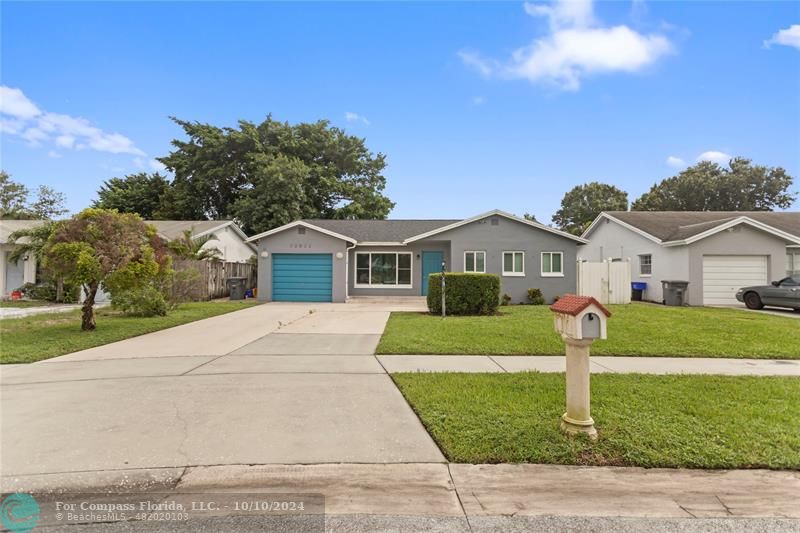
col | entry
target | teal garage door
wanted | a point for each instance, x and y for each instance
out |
(302, 278)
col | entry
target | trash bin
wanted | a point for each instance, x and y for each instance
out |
(236, 287)
(637, 290)
(674, 292)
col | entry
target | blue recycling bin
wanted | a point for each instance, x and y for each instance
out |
(637, 290)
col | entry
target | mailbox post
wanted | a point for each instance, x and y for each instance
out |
(579, 320)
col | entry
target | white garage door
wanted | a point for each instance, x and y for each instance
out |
(723, 275)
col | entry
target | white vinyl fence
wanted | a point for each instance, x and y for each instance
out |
(608, 281)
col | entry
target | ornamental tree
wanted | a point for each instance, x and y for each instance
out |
(100, 247)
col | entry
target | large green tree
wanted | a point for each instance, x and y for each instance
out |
(268, 174)
(581, 205)
(708, 186)
(140, 193)
(15, 201)
(13, 196)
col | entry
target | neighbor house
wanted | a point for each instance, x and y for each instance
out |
(716, 252)
(228, 238)
(14, 275)
(332, 260)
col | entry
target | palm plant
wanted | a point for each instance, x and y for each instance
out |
(188, 247)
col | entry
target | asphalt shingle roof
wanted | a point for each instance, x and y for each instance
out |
(173, 229)
(679, 225)
(380, 230)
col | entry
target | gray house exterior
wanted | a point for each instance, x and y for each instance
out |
(332, 260)
(716, 252)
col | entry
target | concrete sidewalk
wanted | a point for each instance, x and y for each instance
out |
(599, 364)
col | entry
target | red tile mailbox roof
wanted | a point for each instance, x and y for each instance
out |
(571, 304)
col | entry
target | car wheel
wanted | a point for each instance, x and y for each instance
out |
(753, 301)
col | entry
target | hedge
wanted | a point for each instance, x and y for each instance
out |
(465, 293)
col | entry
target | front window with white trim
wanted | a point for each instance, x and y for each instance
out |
(475, 262)
(552, 264)
(513, 263)
(645, 265)
(382, 269)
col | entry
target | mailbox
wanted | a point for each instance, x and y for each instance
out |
(579, 320)
(580, 317)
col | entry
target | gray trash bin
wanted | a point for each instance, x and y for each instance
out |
(236, 286)
(674, 292)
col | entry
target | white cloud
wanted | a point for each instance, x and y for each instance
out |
(14, 103)
(568, 13)
(156, 165)
(34, 136)
(65, 141)
(575, 47)
(478, 100)
(788, 37)
(53, 154)
(676, 162)
(720, 158)
(355, 117)
(482, 66)
(22, 117)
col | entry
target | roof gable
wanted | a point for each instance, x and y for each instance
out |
(685, 227)
(398, 231)
(496, 212)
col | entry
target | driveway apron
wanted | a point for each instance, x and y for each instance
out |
(272, 384)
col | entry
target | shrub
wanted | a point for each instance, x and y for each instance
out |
(465, 294)
(506, 299)
(46, 290)
(185, 286)
(144, 301)
(535, 296)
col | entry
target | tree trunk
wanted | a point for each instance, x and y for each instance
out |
(60, 290)
(87, 320)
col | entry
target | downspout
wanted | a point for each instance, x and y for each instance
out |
(347, 271)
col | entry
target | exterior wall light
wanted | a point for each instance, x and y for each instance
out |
(264, 254)
(339, 255)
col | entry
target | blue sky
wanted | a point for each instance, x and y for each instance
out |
(477, 105)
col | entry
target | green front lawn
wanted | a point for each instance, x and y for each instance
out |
(29, 339)
(635, 329)
(642, 420)
(17, 304)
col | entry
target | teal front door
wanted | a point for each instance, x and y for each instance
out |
(431, 264)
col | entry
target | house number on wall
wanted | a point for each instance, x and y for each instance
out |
(299, 245)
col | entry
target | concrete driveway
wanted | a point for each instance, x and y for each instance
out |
(272, 384)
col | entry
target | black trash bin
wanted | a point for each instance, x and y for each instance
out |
(674, 292)
(236, 286)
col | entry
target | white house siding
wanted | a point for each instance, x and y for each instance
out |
(611, 240)
(232, 246)
(740, 240)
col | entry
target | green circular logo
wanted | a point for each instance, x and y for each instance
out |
(20, 512)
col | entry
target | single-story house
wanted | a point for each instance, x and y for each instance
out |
(228, 237)
(332, 260)
(15, 275)
(716, 252)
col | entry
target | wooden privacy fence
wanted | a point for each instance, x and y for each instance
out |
(208, 280)
(608, 281)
